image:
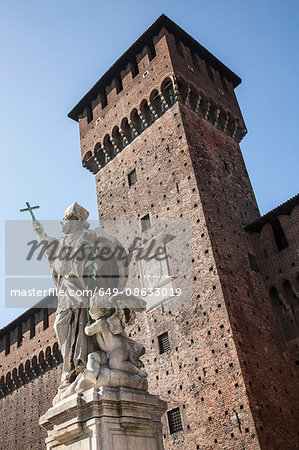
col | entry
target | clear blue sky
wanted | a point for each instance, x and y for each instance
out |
(53, 52)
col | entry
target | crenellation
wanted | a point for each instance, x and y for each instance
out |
(157, 105)
(111, 93)
(143, 59)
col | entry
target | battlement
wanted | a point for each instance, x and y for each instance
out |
(274, 238)
(129, 63)
(161, 68)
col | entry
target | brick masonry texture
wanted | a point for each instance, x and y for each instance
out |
(231, 367)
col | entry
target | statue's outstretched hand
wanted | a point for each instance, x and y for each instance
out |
(37, 227)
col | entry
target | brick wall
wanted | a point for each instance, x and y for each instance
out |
(22, 408)
(228, 203)
(29, 378)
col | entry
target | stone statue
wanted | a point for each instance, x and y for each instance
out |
(111, 317)
(99, 353)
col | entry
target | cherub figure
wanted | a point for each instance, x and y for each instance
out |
(116, 349)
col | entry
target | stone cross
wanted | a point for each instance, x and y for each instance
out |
(30, 208)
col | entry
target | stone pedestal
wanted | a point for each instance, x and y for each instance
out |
(106, 419)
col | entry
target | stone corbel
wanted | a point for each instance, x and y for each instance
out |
(175, 88)
(135, 132)
(142, 118)
(187, 102)
(153, 111)
(207, 111)
(107, 157)
(123, 135)
(226, 122)
(197, 108)
(164, 102)
(235, 129)
(217, 117)
(97, 162)
(115, 146)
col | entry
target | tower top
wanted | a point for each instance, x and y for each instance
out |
(146, 39)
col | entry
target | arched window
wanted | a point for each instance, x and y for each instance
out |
(136, 121)
(146, 112)
(21, 370)
(55, 350)
(284, 316)
(168, 91)
(99, 154)
(41, 357)
(107, 144)
(8, 378)
(87, 156)
(126, 132)
(118, 139)
(48, 353)
(156, 102)
(34, 362)
(15, 374)
(89, 162)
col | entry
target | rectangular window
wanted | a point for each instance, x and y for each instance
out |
(174, 420)
(7, 343)
(103, 96)
(45, 318)
(132, 177)
(164, 343)
(119, 84)
(20, 335)
(210, 73)
(89, 115)
(32, 327)
(223, 81)
(152, 50)
(135, 68)
(280, 237)
(145, 222)
(195, 60)
(253, 263)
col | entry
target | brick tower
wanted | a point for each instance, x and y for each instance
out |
(166, 116)
(160, 131)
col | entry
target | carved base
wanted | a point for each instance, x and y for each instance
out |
(105, 377)
(105, 419)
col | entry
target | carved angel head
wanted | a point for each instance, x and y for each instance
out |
(118, 309)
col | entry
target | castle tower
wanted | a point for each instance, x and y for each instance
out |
(161, 131)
